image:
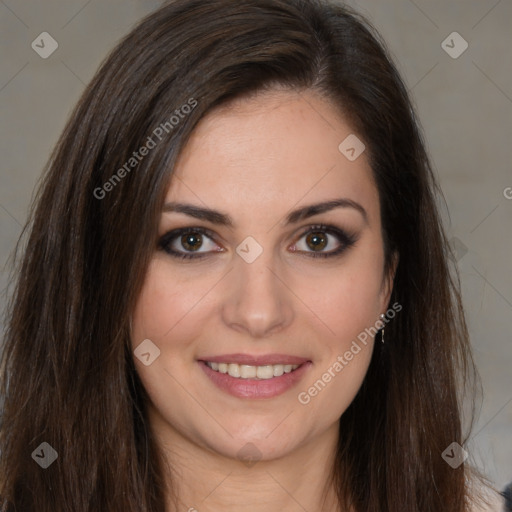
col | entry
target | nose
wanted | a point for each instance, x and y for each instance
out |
(257, 299)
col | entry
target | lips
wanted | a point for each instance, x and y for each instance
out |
(254, 360)
(245, 371)
(265, 386)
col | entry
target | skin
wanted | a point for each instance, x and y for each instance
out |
(257, 159)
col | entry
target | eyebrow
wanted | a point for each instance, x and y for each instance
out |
(216, 217)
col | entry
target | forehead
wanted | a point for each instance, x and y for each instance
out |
(268, 153)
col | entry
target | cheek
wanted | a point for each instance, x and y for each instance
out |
(334, 385)
(166, 313)
(348, 301)
(348, 297)
(166, 303)
(345, 355)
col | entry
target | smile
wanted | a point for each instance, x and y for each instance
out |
(255, 381)
(245, 371)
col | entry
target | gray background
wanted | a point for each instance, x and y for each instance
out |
(464, 103)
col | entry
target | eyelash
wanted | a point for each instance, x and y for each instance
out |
(345, 239)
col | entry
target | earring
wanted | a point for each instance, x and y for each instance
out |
(382, 330)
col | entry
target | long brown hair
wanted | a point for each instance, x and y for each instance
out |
(68, 376)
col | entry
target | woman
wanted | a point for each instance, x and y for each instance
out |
(235, 291)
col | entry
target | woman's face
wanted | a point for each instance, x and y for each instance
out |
(272, 275)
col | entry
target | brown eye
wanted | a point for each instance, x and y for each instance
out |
(189, 243)
(316, 240)
(324, 241)
(192, 241)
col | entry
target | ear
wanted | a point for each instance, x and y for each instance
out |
(387, 282)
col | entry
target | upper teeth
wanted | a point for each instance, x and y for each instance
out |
(245, 371)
